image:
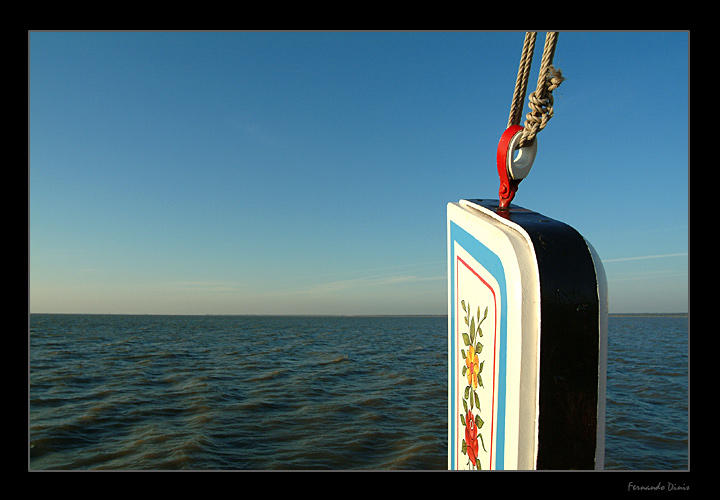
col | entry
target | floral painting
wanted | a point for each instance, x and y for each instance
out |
(472, 369)
(474, 355)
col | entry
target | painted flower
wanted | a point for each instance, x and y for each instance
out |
(473, 367)
(471, 437)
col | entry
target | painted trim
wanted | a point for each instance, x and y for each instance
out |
(494, 266)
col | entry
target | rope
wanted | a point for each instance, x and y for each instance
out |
(522, 79)
(541, 101)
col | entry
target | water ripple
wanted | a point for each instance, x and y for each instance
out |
(172, 392)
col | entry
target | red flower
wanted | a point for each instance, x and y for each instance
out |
(471, 440)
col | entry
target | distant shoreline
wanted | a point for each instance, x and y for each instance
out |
(648, 315)
(612, 315)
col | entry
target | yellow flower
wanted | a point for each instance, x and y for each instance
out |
(473, 367)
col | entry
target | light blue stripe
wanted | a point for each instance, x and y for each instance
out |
(493, 264)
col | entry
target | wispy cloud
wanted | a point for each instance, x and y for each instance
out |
(320, 284)
(413, 266)
(644, 257)
(368, 281)
(647, 276)
(206, 286)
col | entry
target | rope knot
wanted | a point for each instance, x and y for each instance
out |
(541, 104)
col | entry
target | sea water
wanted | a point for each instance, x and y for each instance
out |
(303, 393)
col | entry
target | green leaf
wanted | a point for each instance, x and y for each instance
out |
(479, 422)
(481, 366)
(479, 331)
(477, 400)
(478, 348)
(466, 339)
(480, 382)
(465, 405)
(482, 442)
(464, 370)
(485, 315)
(462, 303)
(462, 353)
(478, 313)
(464, 447)
(467, 391)
(462, 419)
(472, 330)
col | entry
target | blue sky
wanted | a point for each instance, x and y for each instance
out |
(309, 173)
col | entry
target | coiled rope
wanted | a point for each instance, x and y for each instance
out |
(541, 100)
